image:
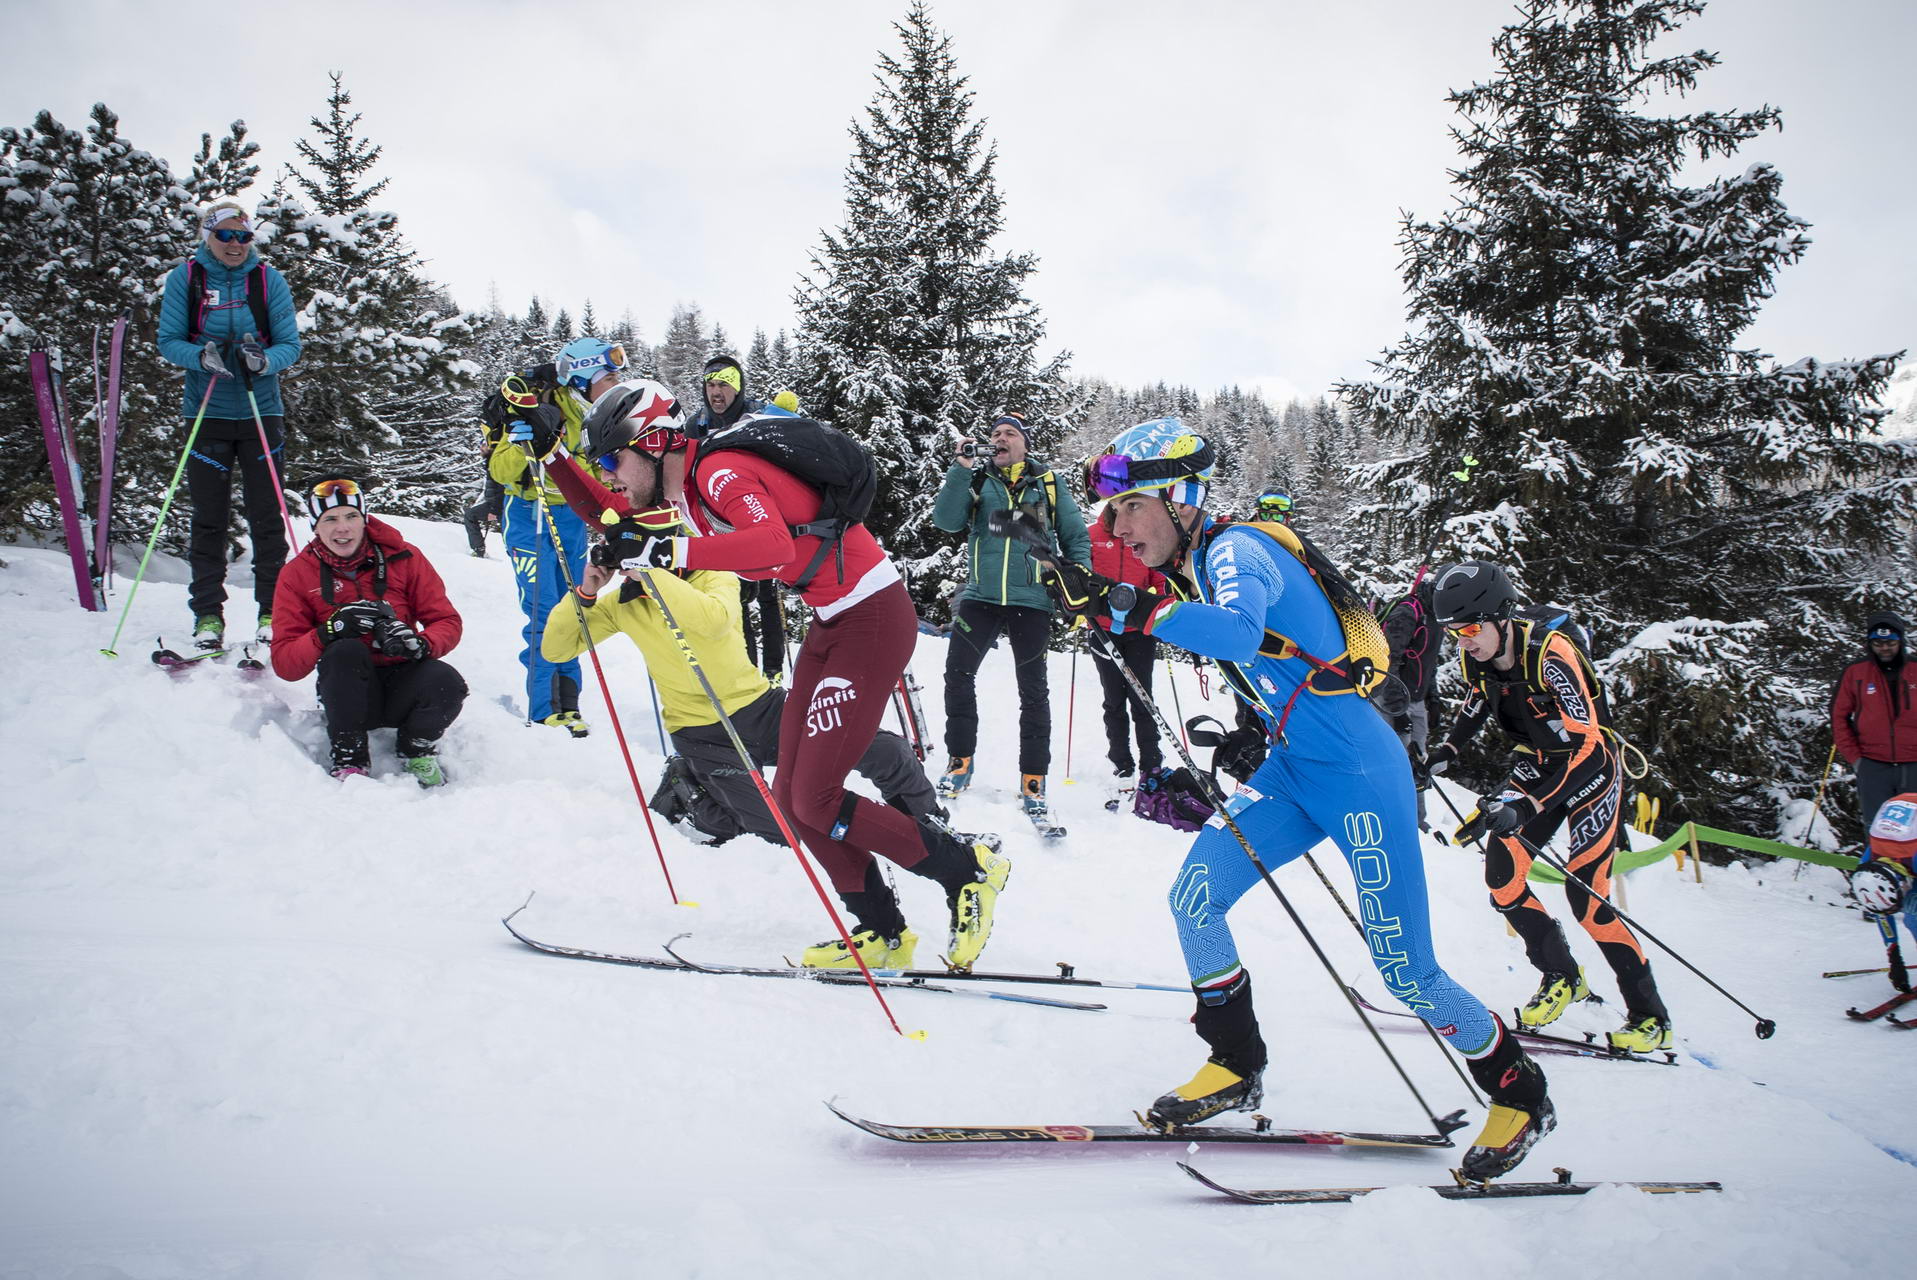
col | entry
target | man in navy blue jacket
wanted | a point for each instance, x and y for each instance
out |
(228, 319)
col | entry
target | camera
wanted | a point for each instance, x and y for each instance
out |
(978, 449)
(605, 553)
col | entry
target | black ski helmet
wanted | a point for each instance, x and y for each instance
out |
(633, 409)
(1472, 591)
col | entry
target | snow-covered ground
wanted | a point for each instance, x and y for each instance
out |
(257, 1023)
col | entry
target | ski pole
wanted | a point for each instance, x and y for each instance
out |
(1816, 805)
(1178, 709)
(1071, 714)
(658, 717)
(765, 795)
(1039, 550)
(160, 523)
(605, 691)
(266, 452)
(1766, 1027)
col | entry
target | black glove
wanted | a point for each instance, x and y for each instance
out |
(1899, 976)
(1077, 592)
(1420, 764)
(1241, 752)
(647, 553)
(1498, 817)
(253, 356)
(537, 430)
(351, 620)
(211, 362)
(395, 639)
(1439, 758)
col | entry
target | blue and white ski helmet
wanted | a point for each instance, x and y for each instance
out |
(582, 360)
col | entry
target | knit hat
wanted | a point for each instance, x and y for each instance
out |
(1884, 626)
(328, 494)
(1017, 420)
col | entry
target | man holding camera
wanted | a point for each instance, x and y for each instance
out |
(1003, 593)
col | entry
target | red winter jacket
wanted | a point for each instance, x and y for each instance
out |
(309, 590)
(1114, 560)
(1873, 714)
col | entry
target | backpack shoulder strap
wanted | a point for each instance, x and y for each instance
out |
(195, 299)
(256, 299)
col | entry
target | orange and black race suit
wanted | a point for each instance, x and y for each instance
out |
(1552, 706)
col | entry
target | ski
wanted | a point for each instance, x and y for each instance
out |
(1543, 1043)
(1067, 976)
(1852, 973)
(44, 364)
(1460, 1189)
(1046, 827)
(107, 418)
(1878, 1011)
(1260, 1132)
(176, 663)
(1908, 1024)
(824, 977)
(911, 713)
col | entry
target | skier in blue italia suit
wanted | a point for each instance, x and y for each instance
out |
(1335, 771)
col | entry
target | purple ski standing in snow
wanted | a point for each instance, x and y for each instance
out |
(44, 362)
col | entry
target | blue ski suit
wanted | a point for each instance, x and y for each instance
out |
(1337, 773)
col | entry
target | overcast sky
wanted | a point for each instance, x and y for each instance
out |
(1212, 189)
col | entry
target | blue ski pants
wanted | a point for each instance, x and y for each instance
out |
(550, 686)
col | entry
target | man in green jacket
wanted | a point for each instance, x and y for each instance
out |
(1003, 593)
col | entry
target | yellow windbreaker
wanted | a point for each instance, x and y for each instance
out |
(706, 605)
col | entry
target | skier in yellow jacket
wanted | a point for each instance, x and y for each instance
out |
(705, 603)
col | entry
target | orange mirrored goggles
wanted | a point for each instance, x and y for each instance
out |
(1465, 630)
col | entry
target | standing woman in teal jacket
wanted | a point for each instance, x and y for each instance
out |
(228, 318)
(1003, 593)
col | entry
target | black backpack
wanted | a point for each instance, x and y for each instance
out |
(255, 299)
(838, 467)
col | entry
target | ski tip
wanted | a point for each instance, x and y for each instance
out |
(921, 1036)
(685, 902)
(108, 653)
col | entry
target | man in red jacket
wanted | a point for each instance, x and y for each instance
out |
(1113, 559)
(1873, 715)
(362, 605)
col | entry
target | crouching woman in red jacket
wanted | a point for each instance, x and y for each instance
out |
(365, 607)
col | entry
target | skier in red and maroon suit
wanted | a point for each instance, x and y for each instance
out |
(366, 608)
(748, 511)
(1113, 559)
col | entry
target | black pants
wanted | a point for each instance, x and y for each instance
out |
(1878, 781)
(222, 445)
(1123, 714)
(765, 634)
(420, 699)
(489, 504)
(975, 629)
(888, 763)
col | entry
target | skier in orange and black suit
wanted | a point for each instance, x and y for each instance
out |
(1525, 671)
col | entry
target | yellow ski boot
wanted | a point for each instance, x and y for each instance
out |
(877, 952)
(972, 909)
(1554, 995)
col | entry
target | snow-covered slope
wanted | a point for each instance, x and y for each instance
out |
(254, 1023)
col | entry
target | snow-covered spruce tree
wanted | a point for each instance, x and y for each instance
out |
(912, 326)
(1575, 319)
(682, 354)
(562, 330)
(381, 388)
(89, 227)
